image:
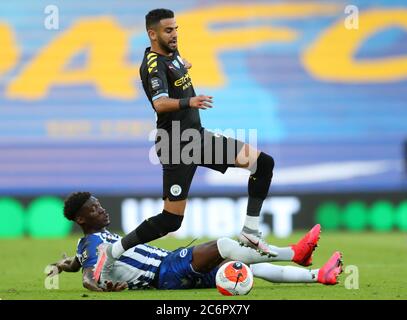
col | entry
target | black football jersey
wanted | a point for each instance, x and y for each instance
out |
(166, 76)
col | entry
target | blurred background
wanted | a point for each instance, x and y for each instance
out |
(323, 83)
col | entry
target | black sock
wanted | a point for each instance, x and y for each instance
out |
(259, 184)
(254, 206)
(259, 181)
(152, 228)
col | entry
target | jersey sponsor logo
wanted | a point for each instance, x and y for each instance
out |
(184, 81)
(176, 190)
(183, 253)
(85, 255)
(107, 236)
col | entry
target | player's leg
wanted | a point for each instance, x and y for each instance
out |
(209, 255)
(158, 226)
(196, 267)
(206, 257)
(328, 274)
(175, 207)
(234, 153)
(282, 274)
(176, 183)
(261, 168)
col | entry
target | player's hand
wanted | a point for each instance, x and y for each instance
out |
(187, 64)
(61, 264)
(201, 102)
(118, 286)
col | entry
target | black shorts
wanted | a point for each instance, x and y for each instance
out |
(214, 151)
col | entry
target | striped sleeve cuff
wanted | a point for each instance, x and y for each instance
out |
(164, 94)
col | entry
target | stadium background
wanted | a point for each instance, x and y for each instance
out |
(328, 103)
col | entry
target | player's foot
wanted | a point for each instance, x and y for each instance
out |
(329, 273)
(305, 247)
(254, 240)
(105, 261)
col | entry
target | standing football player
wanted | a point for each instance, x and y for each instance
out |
(169, 88)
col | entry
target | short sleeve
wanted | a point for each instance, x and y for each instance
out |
(157, 78)
(87, 251)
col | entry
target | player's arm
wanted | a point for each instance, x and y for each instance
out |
(165, 104)
(90, 283)
(158, 87)
(187, 64)
(67, 264)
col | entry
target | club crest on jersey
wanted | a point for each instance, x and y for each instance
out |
(176, 190)
(176, 64)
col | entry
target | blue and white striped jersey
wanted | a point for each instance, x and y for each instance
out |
(137, 266)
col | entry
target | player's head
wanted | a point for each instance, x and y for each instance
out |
(162, 29)
(86, 211)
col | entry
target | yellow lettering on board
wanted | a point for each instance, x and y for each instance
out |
(201, 45)
(9, 52)
(331, 57)
(107, 46)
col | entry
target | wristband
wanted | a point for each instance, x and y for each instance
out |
(184, 103)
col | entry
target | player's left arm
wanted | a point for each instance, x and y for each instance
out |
(187, 64)
(90, 283)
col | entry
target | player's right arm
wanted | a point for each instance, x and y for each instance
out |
(67, 264)
(158, 87)
(165, 104)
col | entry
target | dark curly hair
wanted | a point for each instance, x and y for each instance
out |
(74, 202)
(156, 15)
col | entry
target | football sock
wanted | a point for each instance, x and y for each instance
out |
(260, 179)
(284, 253)
(281, 274)
(254, 206)
(117, 249)
(150, 229)
(231, 249)
(251, 224)
(258, 187)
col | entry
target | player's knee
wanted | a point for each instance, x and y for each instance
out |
(162, 224)
(224, 246)
(170, 221)
(264, 166)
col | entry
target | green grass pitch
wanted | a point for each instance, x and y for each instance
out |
(380, 258)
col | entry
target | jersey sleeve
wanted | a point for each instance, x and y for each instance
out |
(157, 77)
(87, 251)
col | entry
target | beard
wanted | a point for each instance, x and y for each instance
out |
(166, 47)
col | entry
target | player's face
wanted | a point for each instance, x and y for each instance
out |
(94, 215)
(167, 35)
